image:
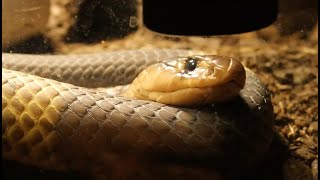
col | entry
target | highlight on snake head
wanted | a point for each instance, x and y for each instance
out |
(192, 80)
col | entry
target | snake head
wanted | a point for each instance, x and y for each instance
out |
(191, 80)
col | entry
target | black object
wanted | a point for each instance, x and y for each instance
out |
(205, 18)
(102, 20)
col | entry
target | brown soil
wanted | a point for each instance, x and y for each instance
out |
(288, 65)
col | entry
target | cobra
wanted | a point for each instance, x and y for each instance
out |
(56, 113)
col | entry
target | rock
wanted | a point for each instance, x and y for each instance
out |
(22, 19)
(314, 168)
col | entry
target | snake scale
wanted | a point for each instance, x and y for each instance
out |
(59, 121)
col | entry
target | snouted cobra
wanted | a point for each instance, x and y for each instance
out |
(77, 113)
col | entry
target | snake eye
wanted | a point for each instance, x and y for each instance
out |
(191, 64)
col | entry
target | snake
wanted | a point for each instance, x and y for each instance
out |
(91, 114)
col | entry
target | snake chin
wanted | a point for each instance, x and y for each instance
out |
(191, 96)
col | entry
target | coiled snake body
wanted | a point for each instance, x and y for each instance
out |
(59, 126)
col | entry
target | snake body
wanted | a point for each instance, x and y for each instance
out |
(56, 125)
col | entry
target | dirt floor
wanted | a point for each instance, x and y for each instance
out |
(287, 64)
